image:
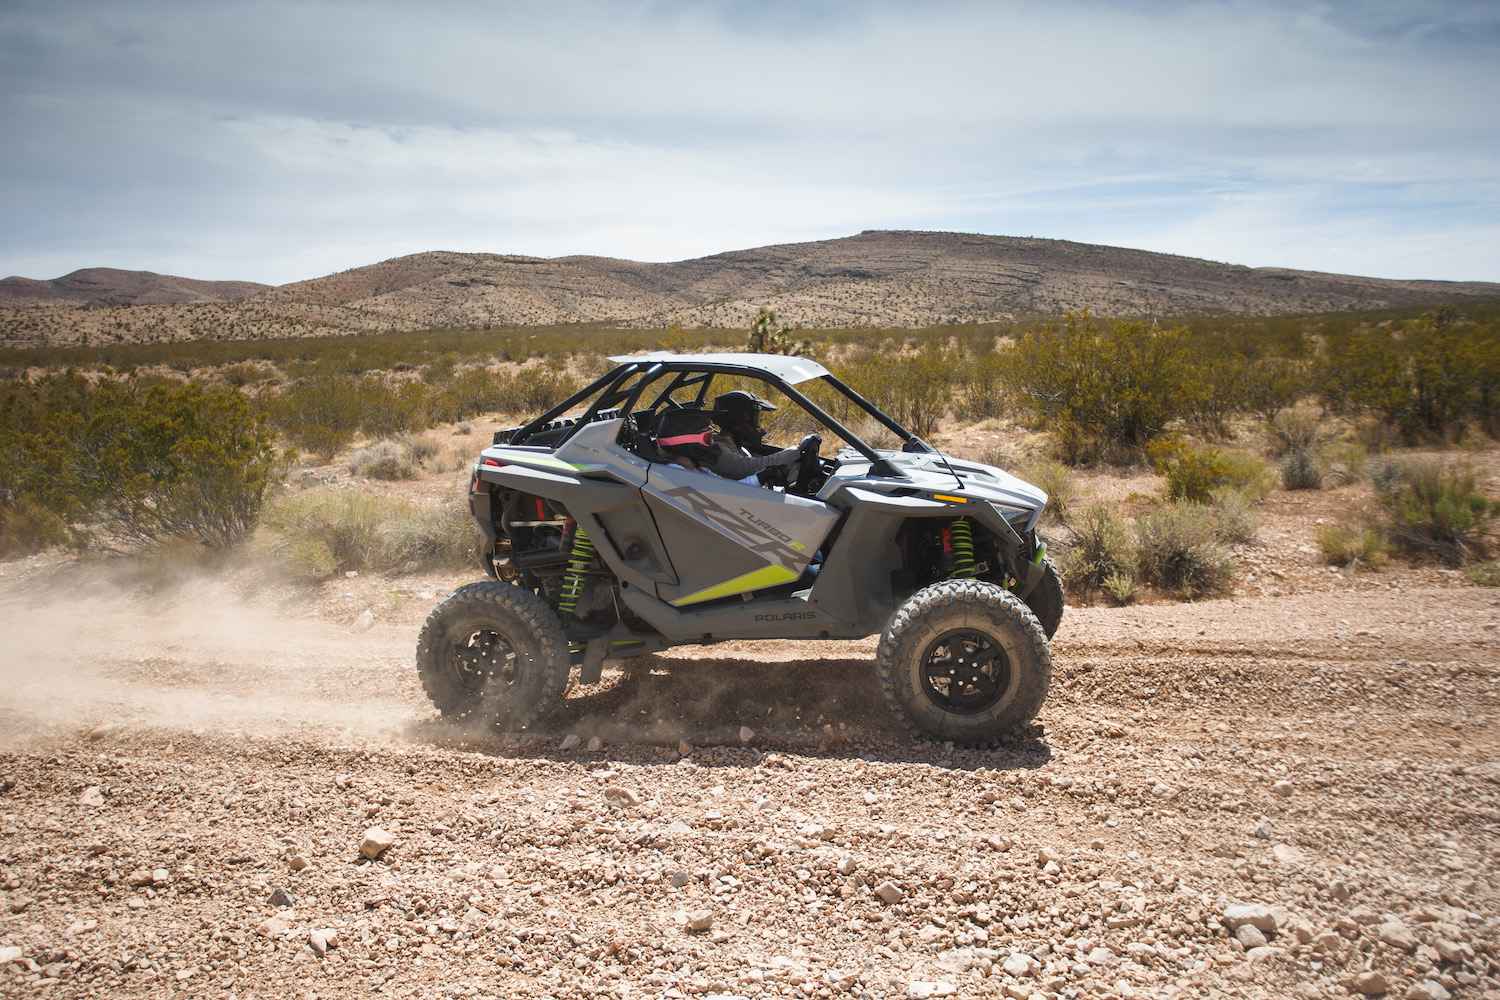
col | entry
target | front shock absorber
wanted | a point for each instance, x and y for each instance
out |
(579, 561)
(962, 535)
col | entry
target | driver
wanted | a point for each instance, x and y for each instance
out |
(737, 414)
(686, 436)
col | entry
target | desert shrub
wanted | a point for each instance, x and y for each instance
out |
(1424, 378)
(1247, 474)
(383, 460)
(1102, 548)
(981, 394)
(389, 408)
(1192, 472)
(440, 536)
(1235, 517)
(1388, 474)
(1300, 470)
(1350, 544)
(1346, 461)
(320, 533)
(1436, 510)
(914, 387)
(1295, 430)
(1057, 480)
(869, 430)
(131, 465)
(1122, 589)
(319, 414)
(462, 427)
(536, 389)
(26, 527)
(1179, 550)
(1483, 574)
(1104, 388)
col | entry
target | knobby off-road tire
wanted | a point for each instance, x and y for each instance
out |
(495, 654)
(966, 661)
(1046, 599)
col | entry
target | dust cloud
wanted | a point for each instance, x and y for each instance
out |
(198, 657)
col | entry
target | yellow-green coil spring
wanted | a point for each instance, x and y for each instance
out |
(579, 561)
(963, 549)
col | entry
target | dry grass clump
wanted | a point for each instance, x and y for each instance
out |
(1180, 550)
(1295, 430)
(1300, 470)
(1353, 544)
(1057, 480)
(319, 533)
(397, 458)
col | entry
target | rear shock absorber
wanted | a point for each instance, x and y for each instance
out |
(579, 561)
(963, 548)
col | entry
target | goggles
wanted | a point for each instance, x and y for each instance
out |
(704, 437)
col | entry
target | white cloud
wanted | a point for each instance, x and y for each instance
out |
(266, 137)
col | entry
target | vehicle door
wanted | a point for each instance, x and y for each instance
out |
(726, 538)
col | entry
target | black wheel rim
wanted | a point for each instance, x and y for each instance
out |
(965, 672)
(484, 660)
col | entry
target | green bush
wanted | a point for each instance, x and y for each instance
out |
(1426, 378)
(319, 414)
(1192, 473)
(1247, 474)
(1436, 510)
(1179, 550)
(914, 387)
(1300, 470)
(1105, 389)
(1388, 474)
(130, 465)
(1102, 549)
(1348, 545)
(1483, 574)
(1347, 461)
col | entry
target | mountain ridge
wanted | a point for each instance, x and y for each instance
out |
(879, 278)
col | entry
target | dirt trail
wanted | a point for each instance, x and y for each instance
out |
(1334, 757)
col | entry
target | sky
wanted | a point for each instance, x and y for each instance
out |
(276, 141)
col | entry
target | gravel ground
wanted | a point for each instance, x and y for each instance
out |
(1294, 791)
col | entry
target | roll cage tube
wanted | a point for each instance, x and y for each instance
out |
(907, 437)
(616, 392)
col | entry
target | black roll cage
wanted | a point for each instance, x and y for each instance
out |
(619, 392)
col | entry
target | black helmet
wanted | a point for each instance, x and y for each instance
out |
(688, 432)
(738, 413)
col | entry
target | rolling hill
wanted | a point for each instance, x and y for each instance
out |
(877, 278)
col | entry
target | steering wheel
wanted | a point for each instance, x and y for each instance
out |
(809, 468)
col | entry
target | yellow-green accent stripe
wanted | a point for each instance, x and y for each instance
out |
(541, 461)
(768, 576)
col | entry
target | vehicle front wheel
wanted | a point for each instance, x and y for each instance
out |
(495, 654)
(966, 661)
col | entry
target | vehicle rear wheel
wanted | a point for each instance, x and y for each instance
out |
(1046, 599)
(966, 661)
(493, 653)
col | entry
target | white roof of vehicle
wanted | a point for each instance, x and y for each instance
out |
(789, 370)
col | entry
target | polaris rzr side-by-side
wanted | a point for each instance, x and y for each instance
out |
(605, 540)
